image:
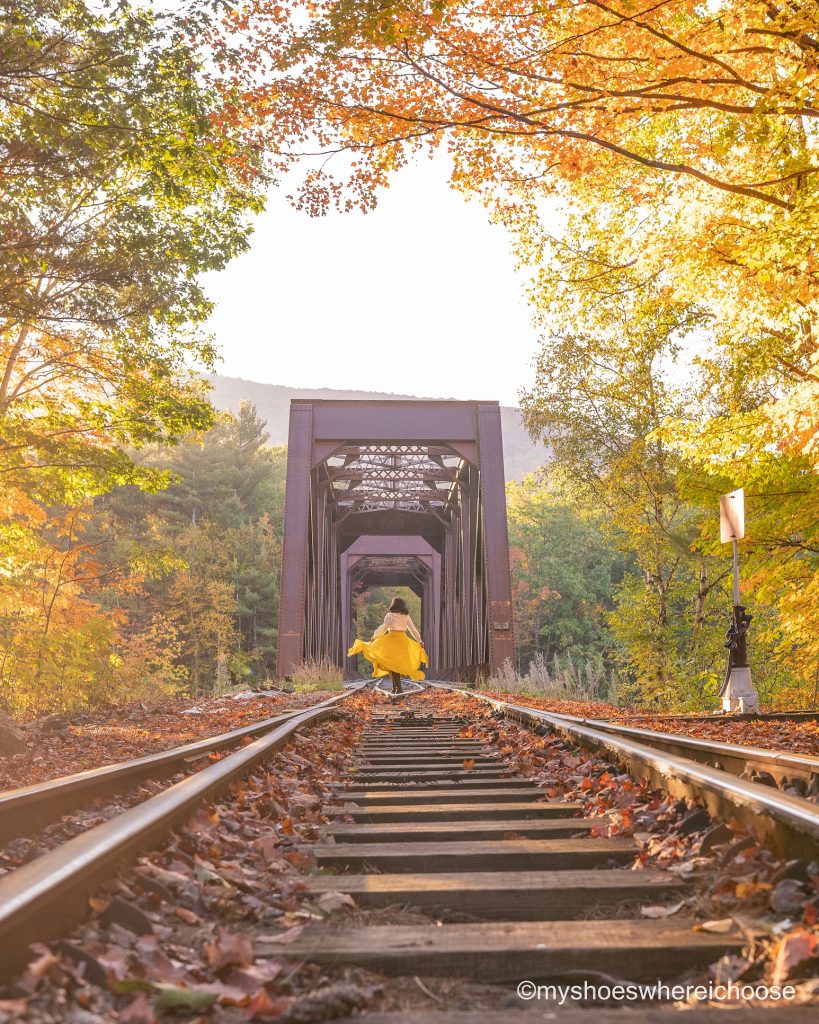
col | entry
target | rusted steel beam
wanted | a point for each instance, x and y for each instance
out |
(430, 470)
(383, 422)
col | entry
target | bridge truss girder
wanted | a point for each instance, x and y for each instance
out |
(388, 490)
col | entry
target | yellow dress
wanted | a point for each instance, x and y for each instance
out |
(393, 651)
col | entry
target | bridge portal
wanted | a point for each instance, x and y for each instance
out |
(396, 493)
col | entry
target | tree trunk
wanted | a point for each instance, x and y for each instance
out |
(699, 599)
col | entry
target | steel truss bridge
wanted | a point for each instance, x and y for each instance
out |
(396, 493)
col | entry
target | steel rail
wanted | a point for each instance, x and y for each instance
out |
(41, 899)
(29, 807)
(789, 824)
(737, 759)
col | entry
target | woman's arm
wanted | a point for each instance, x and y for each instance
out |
(413, 631)
(382, 628)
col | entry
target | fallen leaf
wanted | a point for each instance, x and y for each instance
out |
(788, 897)
(248, 980)
(123, 986)
(227, 994)
(179, 997)
(264, 971)
(720, 927)
(657, 911)
(12, 1010)
(793, 949)
(228, 949)
(203, 873)
(157, 967)
(37, 968)
(747, 890)
(330, 901)
(138, 1012)
(187, 916)
(262, 1007)
(283, 938)
(469, 763)
(202, 821)
(299, 858)
(267, 846)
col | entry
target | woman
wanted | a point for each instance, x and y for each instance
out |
(390, 650)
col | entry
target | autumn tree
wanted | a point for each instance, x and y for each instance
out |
(700, 117)
(119, 189)
(218, 527)
(121, 182)
(564, 573)
(608, 383)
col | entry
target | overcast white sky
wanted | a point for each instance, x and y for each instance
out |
(420, 297)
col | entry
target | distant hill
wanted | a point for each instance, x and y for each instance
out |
(273, 404)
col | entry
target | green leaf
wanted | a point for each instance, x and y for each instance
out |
(178, 997)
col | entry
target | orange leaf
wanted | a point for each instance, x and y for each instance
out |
(262, 1007)
(227, 949)
(793, 949)
(187, 916)
(746, 890)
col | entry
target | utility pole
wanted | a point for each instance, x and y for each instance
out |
(738, 692)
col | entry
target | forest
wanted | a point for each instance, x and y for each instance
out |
(141, 529)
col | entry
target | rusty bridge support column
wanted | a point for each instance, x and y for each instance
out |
(295, 547)
(496, 537)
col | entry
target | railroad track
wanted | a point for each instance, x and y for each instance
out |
(432, 819)
(438, 835)
(28, 808)
(718, 775)
(511, 885)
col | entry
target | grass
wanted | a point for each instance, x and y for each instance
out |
(562, 680)
(310, 676)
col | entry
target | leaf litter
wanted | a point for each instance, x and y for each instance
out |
(226, 895)
(63, 744)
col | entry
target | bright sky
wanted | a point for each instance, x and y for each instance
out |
(419, 297)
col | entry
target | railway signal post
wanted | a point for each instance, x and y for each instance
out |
(738, 692)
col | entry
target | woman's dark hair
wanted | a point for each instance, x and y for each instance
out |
(399, 606)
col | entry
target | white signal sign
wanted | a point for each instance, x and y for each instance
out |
(732, 516)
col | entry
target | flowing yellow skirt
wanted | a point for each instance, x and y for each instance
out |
(393, 651)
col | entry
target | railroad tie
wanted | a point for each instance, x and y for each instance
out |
(515, 885)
